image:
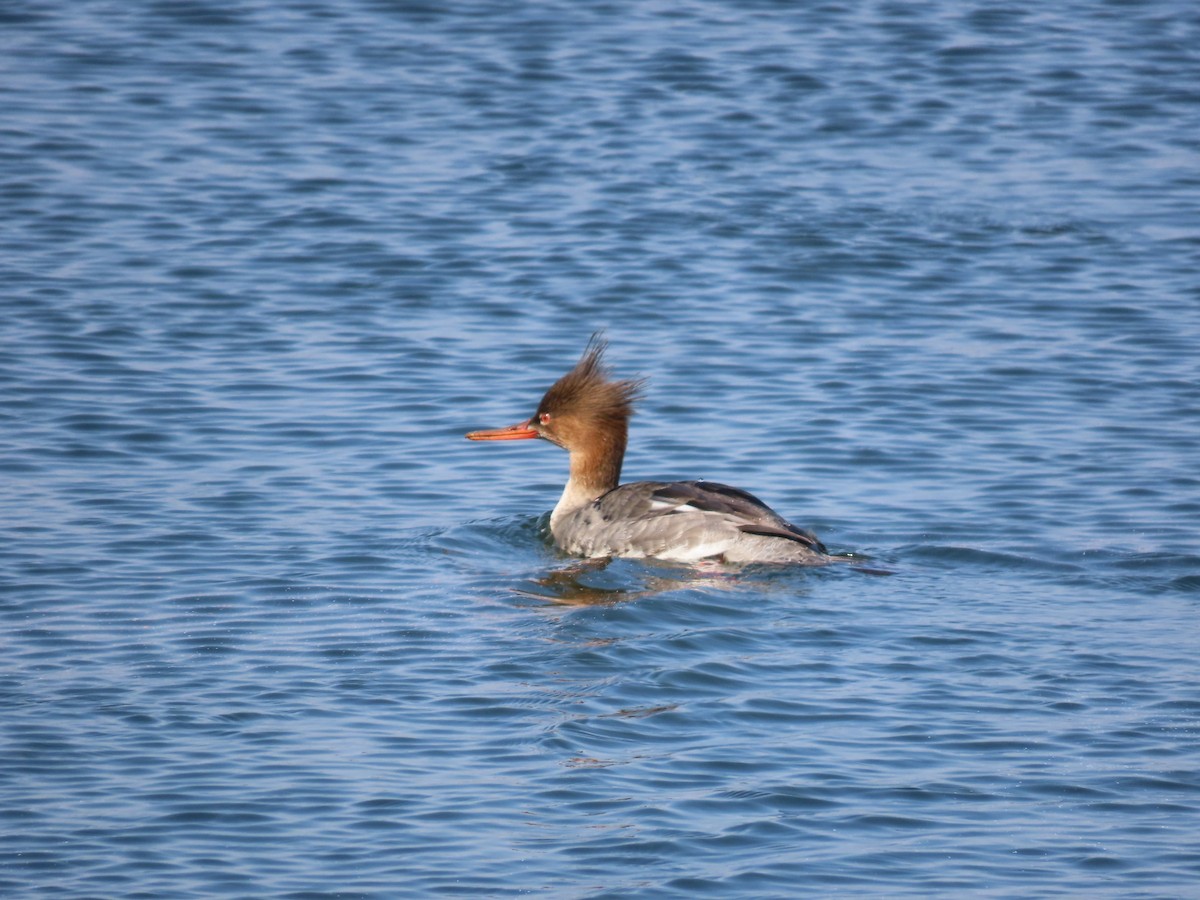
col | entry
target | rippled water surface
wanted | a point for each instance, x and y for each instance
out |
(922, 276)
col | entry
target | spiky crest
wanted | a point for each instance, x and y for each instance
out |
(588, 392)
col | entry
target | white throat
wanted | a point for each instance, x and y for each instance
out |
(574, 496)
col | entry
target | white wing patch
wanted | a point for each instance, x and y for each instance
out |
(672, 506)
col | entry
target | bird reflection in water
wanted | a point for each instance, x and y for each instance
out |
(567, 586)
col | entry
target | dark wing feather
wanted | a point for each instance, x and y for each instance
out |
(756, 517)
(791, 533)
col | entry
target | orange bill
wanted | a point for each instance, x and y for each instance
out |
(519, 432)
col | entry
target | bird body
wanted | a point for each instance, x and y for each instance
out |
(587, 412)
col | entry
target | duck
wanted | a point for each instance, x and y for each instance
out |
(586, 412)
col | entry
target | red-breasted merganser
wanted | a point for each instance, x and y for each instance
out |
(587, 413)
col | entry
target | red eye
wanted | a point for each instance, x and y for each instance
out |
(544, 418)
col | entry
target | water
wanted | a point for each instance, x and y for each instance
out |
(922, 277)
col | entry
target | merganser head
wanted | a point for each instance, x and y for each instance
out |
(585, 409)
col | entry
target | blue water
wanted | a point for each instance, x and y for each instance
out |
(924, 277)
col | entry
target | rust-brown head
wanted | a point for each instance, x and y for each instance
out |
(585, 411)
